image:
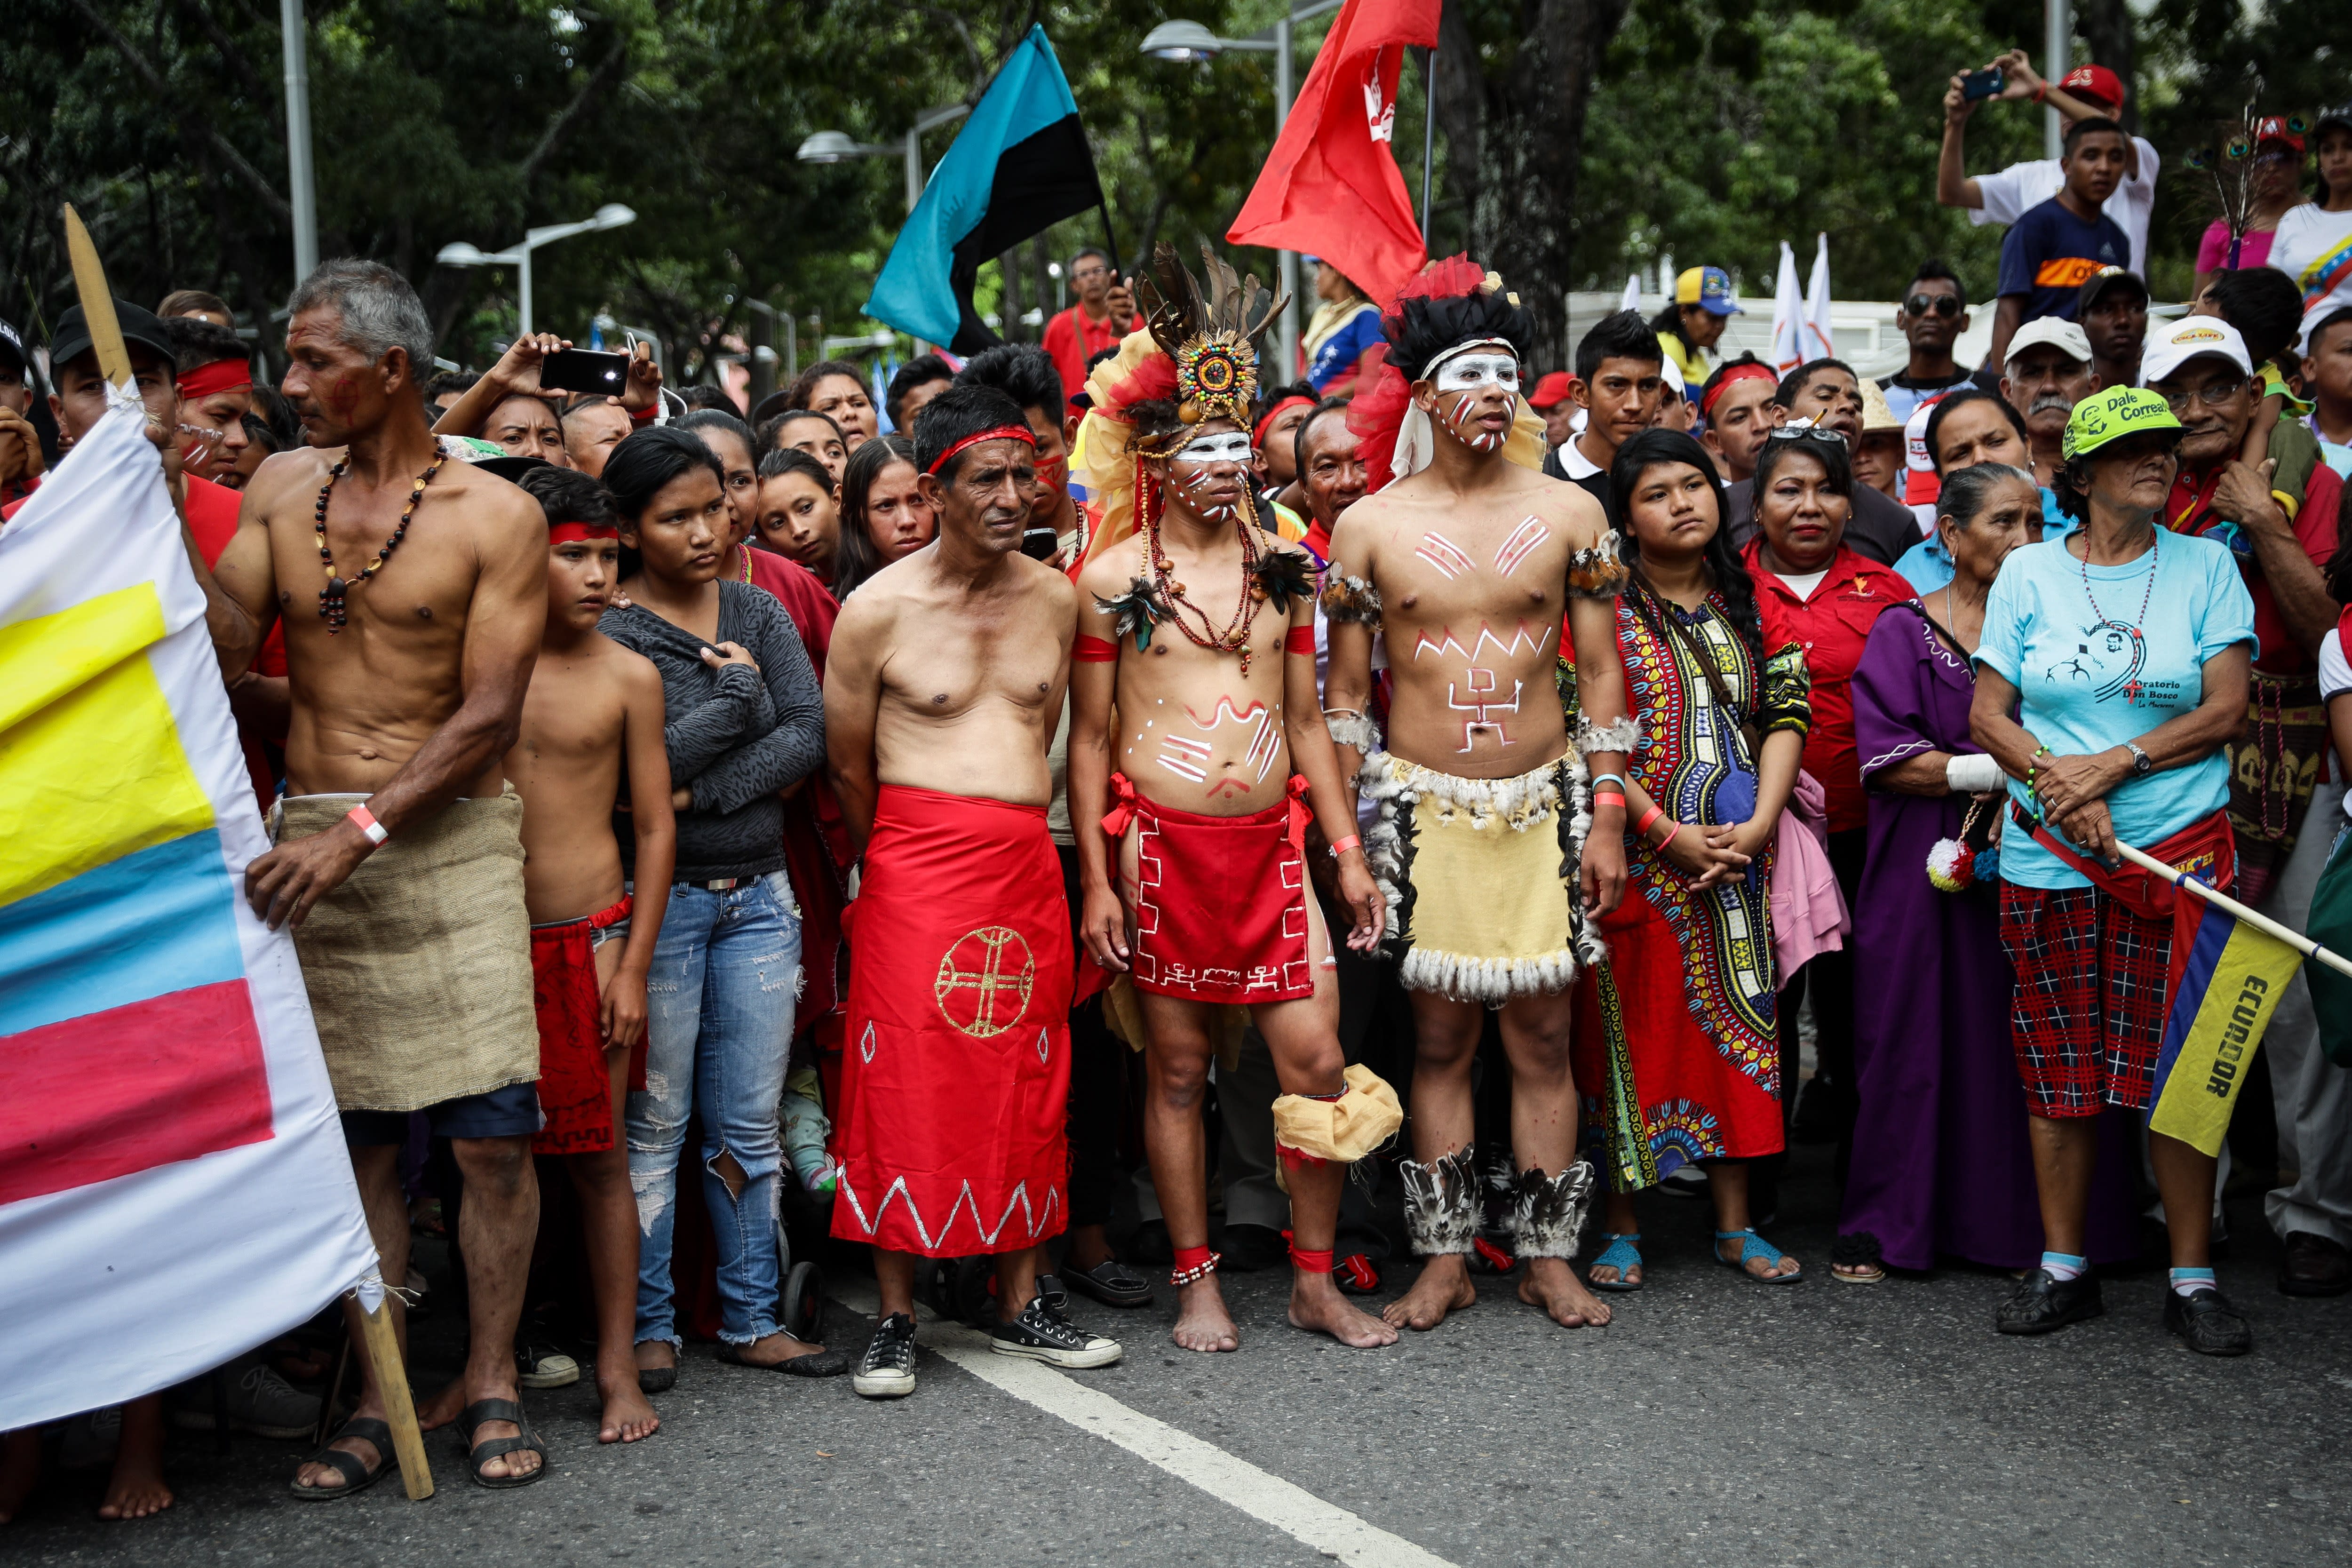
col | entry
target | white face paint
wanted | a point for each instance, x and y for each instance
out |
(1231, 447)
(1478, 368)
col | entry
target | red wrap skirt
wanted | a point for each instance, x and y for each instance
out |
(1220, 902)
(956, 1059)
(575, 1088)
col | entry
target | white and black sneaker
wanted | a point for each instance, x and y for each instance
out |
(886, 1371)
(1044, 1332)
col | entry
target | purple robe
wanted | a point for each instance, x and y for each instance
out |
(1941, 1162)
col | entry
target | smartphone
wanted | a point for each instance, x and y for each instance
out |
(1039, 543)
(1981, 84)
(585, 370)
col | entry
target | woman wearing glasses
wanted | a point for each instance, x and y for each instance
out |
(2112, 666)
(1813, 591)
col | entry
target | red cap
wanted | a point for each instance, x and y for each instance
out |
(1551, 391)
(2095, 81)
(2275, 129)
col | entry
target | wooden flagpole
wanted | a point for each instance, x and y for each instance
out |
(2219, 899)
(382, 1344)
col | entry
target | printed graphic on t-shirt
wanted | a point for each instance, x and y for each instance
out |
(2109, 658)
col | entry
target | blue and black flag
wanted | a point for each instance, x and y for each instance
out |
(1020, 165)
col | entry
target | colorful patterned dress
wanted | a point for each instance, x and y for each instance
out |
(1675, 1049)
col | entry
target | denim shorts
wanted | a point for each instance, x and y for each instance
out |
(508, 1112)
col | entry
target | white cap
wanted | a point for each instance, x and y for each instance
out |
(2057, 332)
(2177, 342)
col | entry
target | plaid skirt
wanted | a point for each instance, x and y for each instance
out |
(2087, 1015)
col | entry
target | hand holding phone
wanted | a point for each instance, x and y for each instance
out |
(585, 370)
(1979, 85)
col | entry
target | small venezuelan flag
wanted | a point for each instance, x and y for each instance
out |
(2230, 984)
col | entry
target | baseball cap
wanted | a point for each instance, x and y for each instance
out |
(2056, 332)
(1550, 391)
(2278, 128)
(12, 347)
(2119, 411)
(2339, 115)
(2095, 81)
(1708, 288)
(139, 325)
(2187, 337)
(2105, 281)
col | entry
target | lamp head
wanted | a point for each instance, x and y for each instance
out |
(460, 254)
(613, 215)
(826, 147)
(1182, 42)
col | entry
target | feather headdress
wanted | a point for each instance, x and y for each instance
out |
(1451, 302)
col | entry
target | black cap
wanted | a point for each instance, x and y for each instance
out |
(2098, 284)
(12, 347)
(72, 339)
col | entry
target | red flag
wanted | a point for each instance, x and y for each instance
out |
(1331, 187)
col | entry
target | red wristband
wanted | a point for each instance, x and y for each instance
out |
(1610, 797)
(1353, 841)
(1642, 828)
(364, 820)
(1300, 640)
(1669, 838)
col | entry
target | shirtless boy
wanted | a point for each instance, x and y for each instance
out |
(1471, 564)
(1220, 747)
(943, 689)
(412, 591)
(593, 708)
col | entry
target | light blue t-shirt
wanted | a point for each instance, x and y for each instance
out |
(2090, 680)
(1928, 565)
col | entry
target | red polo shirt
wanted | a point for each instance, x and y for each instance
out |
(1831, 625)
(2189, 511)
(1073, 340)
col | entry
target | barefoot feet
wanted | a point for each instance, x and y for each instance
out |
(1551, 1284)
(1444, 1286)
(1202, 1322)
(629, 1415)
(1316, 1306)
(136, 1488)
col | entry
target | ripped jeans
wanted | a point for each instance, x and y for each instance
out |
(719, 999)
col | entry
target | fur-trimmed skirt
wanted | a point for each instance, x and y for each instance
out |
(1481, 877)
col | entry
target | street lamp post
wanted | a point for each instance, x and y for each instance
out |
(612, 215)
(301, 189)
(835, 147)
(1187, 41)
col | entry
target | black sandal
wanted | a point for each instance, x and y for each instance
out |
(818, 1363)
(1111, 1282)
(357, 1477)
(470, 1420)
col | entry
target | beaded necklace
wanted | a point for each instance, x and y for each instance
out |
(335, 602)
(1235, 637)
(2155, 543)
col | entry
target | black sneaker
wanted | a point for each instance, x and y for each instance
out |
(2044, 1303)
(1044, 1332)
(886, 1371)
(2207, 1320)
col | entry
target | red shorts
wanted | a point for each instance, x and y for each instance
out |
(575, 1091)
(2087, 1015)
(1220, 902)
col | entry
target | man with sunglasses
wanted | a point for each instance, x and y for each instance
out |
(2278, 772)
(1933, 315)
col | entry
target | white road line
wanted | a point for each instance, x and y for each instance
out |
(1328, 1528)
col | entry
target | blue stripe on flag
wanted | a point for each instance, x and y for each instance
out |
(160, 921)
(2214, 930)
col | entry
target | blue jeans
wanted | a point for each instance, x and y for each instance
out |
(719, 999)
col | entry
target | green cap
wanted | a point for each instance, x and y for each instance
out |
(2118, 411)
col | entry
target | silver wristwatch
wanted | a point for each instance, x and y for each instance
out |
(2142, 763)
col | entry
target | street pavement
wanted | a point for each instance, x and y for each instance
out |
(1714, 1422)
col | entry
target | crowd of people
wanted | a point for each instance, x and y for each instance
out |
(1454, 773)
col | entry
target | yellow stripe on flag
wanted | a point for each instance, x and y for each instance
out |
(90, 763)
(2202, 1088)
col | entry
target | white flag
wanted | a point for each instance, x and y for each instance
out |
(1819, 344)
(1632, 296)
(1788, 316)
(173, 1184)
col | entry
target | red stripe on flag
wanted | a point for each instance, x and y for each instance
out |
(110, 1094)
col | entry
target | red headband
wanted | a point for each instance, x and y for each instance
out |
(1257, 437)
(1002, 433)
(221, 375)
(579, 532)
(1732, 373)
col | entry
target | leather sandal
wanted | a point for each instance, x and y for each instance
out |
(479, 1454)
(357, 1476)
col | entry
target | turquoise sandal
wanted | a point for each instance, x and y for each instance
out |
(1621, 1254)
(1750, 1250)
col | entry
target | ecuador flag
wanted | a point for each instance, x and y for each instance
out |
(1020, 165)
(2229, 979)
(174, 1186)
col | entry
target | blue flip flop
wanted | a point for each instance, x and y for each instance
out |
(1621, 1254)
(1751, 1250)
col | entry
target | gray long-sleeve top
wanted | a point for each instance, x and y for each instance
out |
(734, 737)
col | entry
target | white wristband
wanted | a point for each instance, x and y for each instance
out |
(1972, 774)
